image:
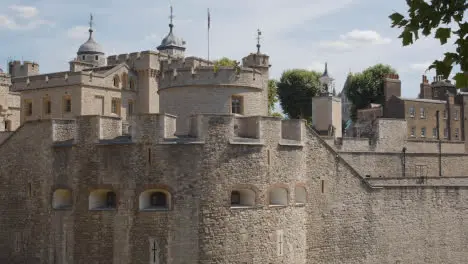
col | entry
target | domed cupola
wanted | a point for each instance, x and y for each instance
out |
(90, 51)
(171, 44)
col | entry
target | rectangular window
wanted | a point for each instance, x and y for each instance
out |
(423, 132)
(7, 125)
(28, 107)
(457, 133)
(115, 106)
(423, 112)
(236, 105)
(446, 133)
(445, 114)
(413, 131)
(434, 132)
(67, 104)
(411, 111)
(455, 115)
(47, 106)
(130, 108)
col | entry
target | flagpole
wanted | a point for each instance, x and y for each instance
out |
(209, 22)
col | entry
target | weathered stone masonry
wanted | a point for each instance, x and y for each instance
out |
(346, 218)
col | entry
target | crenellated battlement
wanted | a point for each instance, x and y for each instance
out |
(186, 62)
(211, 75)
(26, 68)
(139, 60)
(161, 128)
(49, 80)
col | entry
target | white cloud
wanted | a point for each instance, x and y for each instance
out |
(25, 11)
(78, 33)
(25, 18)
(365, 36)
(355, 39)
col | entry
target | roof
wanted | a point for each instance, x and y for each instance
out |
(423, 100)
(171, 41)
(90, 46)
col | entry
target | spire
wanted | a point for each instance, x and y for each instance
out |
(325, 73)
(90, 26)
(259, 33)
(171, 17)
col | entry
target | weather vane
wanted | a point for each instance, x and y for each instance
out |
(259, 33)
(91, 21)
(171, 17)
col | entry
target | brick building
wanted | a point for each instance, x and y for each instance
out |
(436, 98)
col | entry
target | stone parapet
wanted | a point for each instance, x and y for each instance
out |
(49, 80)
(210, 75)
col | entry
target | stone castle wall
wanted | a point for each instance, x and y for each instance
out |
(344, 219)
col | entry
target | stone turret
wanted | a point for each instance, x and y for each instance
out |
(90, 53)
(326, 108)
(18, 69)
(172, 45)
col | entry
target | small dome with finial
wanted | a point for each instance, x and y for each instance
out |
(90, 46)
(171, 41)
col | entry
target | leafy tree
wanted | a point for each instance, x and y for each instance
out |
(224, 61)
(295, 91)
(366, 87)
(437, 15)
(272, 95)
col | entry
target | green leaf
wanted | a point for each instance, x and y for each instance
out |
(443, 34)
(396, 18)
(407, 37)
(461, 80)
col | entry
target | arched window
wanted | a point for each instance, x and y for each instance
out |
(116, 81)
(124, 80)
(61, 199)
(132, 84)
(300, 195)
(102, 199)
(278, 196)
(242, 198)
(155, 200)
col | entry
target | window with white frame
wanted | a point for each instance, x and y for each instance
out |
(423, 132)
(446, 133)
(423, 112)
(413, 131)
(411, 111)
(455, 115)
(434, 132)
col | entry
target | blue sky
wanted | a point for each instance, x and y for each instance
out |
(348, 34)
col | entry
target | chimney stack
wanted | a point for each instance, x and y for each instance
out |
(425, 91)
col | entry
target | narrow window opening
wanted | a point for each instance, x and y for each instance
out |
(268, 157)
(149, 155)
(323, 186)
